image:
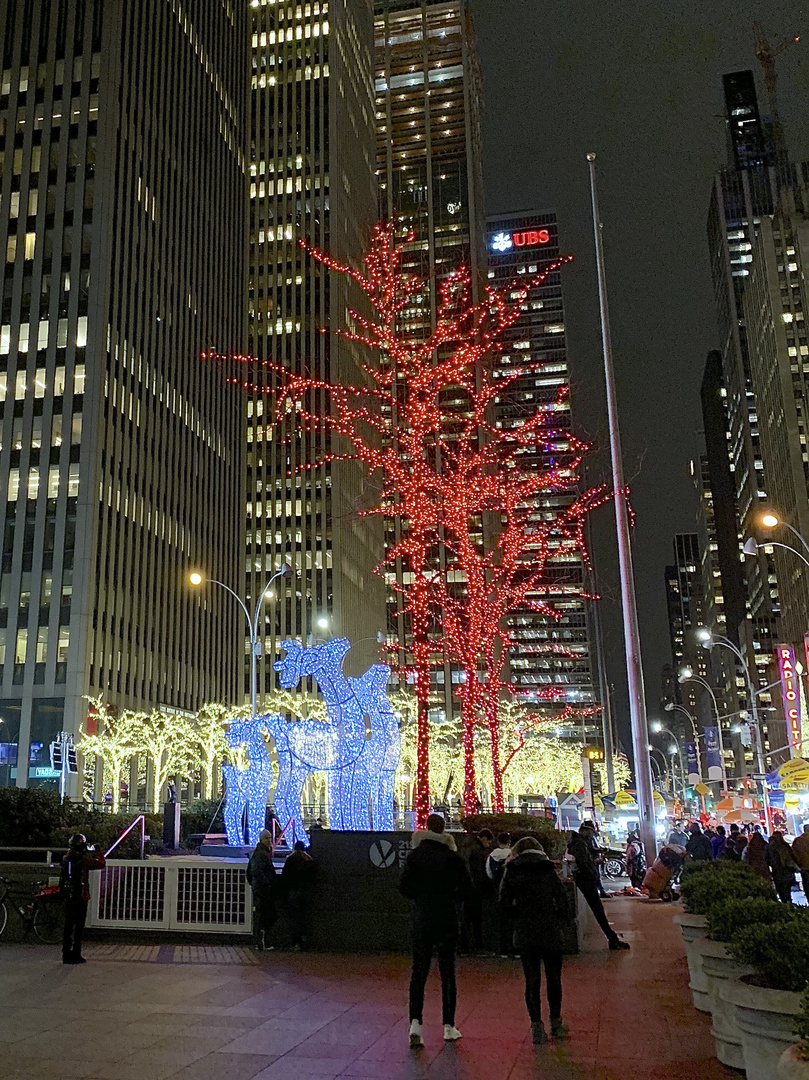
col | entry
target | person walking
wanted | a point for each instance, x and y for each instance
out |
(783, 865)
(262, 878)
(698, 847)
(297, 879)
(755, 855)
(538, 903)
(718, 842)
(586, 878)
(74, 889)
(436, 879)
(800, 852)
(678, 835)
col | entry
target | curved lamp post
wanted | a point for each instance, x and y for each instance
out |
(197, 579)
(708, 639)
(687, 675)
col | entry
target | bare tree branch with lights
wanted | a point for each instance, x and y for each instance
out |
(424, 425)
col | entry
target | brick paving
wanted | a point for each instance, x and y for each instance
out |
(194, 1012)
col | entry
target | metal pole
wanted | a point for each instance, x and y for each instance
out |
(606, 704)
(634, 670)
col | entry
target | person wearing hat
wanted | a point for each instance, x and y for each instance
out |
(261, 878)
(297, 880)
(585, 874)
(74, 888)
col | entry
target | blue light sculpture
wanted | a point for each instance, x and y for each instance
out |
(358, 748)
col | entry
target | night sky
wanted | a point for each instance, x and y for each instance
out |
(639, 83)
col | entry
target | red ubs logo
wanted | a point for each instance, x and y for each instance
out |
(531, 237)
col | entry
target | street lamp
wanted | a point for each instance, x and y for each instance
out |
(751, 547)
(196, 579)
(658, 728)
(708, 640)
(687, 675)
(674, 707)
(772, 521)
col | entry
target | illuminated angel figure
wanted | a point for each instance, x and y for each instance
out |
(359, 759)
(248, 787)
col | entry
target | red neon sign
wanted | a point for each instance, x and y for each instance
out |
(789, 687)
(531, 237)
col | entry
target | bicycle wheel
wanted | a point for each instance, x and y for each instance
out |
(3, 917)
(49, 922)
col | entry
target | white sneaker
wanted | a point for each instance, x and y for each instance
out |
(451, 1033)
(415, 1033)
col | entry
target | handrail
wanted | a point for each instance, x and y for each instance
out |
(140, 818)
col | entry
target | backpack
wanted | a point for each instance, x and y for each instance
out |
(68, 882)
(496, 868)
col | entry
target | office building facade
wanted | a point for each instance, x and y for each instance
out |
(312, 177)
(428, 99)
(122, 212)
(556, 655)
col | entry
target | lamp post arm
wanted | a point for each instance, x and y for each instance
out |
(236, 597)
(260, 601)
(786, 547)
(795, 532)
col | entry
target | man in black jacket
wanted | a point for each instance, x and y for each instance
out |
(580, 847)
(436, 879)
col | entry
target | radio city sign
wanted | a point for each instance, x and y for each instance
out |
(791, 694)
(526, 238)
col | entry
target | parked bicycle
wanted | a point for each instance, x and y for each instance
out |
(43, 911)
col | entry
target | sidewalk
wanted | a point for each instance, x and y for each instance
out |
(195, 1013)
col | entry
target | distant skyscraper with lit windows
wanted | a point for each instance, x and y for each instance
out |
(312, 177)
(549, 654)
(122, 214)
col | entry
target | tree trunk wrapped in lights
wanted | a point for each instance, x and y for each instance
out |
(424, 423)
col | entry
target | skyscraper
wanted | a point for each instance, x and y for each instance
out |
(312, 177)
(549, 653)
(775, 300)
(428, 97)
(748, 141)
(122, 211)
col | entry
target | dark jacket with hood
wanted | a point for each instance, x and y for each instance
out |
(435, 877)
(261, 873)
(538, 901)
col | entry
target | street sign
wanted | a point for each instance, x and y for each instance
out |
(702, 789)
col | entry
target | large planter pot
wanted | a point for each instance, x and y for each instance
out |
(766, 1021)
(791, 1066)
(718, 966)
(693, 929)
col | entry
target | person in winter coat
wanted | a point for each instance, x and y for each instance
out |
(698, 847)
(74, 889)
(635, 859)
(262, 879)
(783, 865)
(718, 842)
(755, 855)
(495, 865)
(586, 877)
(476, 852)
(537, 900)
(436, 879)
(800, 851)
(297, 879)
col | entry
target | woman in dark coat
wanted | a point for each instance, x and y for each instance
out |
(755, 855)
(262, 880)
(783, 865)
(538, 902)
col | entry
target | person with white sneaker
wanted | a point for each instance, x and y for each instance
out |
(436, 879)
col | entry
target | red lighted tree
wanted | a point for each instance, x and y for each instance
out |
(424, 423)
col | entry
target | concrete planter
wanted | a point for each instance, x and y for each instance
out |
(766, 1021)
(718, 966)
(693, 929)
(791, 1066)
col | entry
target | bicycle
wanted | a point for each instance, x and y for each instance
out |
(44, 912)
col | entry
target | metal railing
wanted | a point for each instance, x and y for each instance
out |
(183, 894)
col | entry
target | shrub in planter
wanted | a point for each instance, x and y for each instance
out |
(727, 918)
(779, 952)
(728, 881)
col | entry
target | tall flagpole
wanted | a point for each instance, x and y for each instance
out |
(634, 670)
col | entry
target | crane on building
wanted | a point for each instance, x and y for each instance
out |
(766, 55)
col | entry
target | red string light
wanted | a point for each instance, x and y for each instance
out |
(423, 423)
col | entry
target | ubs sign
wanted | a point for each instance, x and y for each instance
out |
(526, 238)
